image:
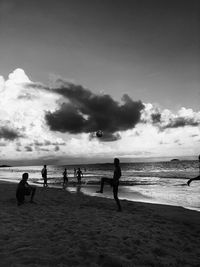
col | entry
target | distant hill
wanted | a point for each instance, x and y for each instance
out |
(175, 160)
(2, 166)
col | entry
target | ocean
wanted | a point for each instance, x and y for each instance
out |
(152, 182)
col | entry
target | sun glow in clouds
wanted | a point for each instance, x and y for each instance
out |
(25, 132)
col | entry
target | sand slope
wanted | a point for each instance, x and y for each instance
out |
(66, 229)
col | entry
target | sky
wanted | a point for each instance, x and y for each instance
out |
(128, 68)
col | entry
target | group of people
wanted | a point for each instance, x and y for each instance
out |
(24, 188)
(78, 174)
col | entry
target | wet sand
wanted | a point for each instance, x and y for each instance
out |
(72, 229)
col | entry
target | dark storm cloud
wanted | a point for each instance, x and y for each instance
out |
(87, 112)
(9, 134)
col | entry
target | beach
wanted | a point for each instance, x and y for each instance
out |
(73, 229)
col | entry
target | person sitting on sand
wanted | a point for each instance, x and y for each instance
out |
(114, 182)
(79, 174)
(65, 178)
(24, 189)
(196, 178)
(44, 176)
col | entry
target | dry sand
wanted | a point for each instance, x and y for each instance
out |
(66, 229)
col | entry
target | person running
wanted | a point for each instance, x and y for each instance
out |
(65, 178)
(24, 189)
(44, 176)
(196, 178)
(114, 182)
(79, 175)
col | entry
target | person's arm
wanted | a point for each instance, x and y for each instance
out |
(27, 185)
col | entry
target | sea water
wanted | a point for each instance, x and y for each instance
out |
(153, 182)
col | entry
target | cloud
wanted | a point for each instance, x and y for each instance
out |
(194, 135)
(2, 144)
(180, 122)
(184, 117)
(57, 148)
(156, 117)
(86, 112)
(9, 134)
(28, 148)
(166, 119)
(37, 122)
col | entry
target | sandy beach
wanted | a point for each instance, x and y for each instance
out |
(72, 229)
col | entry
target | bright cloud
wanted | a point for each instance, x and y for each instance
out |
(36, 122)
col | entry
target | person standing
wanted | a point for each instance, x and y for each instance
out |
(114, 182)
(196, 178)
(65, 178)
(79, 175)
(44, 176)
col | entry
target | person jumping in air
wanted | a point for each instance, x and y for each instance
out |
(114, 182)
(196, 178)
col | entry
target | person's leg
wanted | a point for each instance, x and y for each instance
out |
(104, 180)
(20, 198)
(30, 191)
(115, 194)
(193, 179)
(45, 182)
(33, 189)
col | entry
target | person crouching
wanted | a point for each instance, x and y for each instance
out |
(24, 189)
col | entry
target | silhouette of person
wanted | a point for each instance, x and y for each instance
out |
(44, 176)
(196, 178)
(79, 175)
(24, 189)
(114, 182)
(74, 172)
(65, 178)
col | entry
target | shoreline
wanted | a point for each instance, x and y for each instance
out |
(65, 229)
(90, 190)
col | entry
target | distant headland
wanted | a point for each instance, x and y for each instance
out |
(2, 166)
(175, 160)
